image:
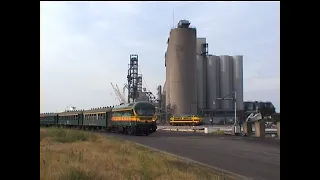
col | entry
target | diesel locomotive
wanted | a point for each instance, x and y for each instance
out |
(188, 120)
(137, 118)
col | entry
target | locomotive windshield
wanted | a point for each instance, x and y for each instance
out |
(144, 109)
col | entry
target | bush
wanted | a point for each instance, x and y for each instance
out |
(219, 132)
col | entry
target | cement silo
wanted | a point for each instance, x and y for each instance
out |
(201, 73)
(164, 94)
(167, 84)
(181, 60)
(213, 82)
(238, 80)
(226, 82)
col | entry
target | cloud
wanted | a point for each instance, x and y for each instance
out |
(86, 45)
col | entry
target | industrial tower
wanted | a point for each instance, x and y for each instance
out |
(134, 79)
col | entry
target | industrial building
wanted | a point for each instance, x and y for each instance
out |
(195, 79)
(255, 106)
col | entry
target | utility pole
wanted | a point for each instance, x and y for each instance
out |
(234, 99)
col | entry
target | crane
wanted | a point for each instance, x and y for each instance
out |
(125, 86)
(118, 94)
(123, 99)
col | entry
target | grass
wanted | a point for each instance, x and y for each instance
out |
(77, 155)
(219, 132)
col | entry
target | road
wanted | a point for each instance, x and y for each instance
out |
(254, 158)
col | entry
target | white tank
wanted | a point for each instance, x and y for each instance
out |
(201, 75)
(238, 80)
(226, 82)
(181, 62)
(213, 82)
(167, 83)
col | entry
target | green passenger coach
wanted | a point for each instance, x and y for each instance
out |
(137, 118)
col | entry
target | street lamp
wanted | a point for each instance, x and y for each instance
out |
(234, 99)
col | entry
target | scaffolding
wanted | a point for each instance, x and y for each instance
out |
(133, 78)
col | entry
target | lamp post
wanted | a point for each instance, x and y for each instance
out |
(234, 99)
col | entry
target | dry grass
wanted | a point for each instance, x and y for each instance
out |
(77, 155)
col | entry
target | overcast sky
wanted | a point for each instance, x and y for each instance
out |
(86, 45)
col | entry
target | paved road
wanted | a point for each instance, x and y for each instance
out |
(250, 157)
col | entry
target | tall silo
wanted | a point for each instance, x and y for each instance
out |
(238, 80)
(181, 57)
(167, 84)
(201, 73)
(226, 82)
(213, 82)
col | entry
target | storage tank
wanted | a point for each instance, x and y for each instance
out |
(201, 74)
(213, 82)
(181, 57)
(167, 84)
(238, 80)
(226, 81)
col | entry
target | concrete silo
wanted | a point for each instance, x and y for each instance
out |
(181, 61)
(226, 82)
(167, 84)
(201, 72)
(213, 82)
(238, 80)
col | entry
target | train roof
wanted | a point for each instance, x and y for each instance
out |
(72, 112)
(100, 109)
(47, 114)
(130, 105)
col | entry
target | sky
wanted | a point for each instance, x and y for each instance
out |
(86, 45)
